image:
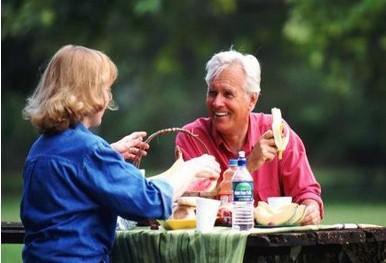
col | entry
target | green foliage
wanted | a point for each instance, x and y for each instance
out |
(344, 41)
(147, 6)
(29, 16)
(322, 63)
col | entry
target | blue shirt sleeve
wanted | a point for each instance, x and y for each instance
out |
(120, 186)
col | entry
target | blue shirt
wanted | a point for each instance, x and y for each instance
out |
(75, 186)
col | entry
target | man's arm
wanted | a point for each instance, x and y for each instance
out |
(299, 181)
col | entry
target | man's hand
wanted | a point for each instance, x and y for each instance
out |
(264, 150)
(132, 146)
(312, 216)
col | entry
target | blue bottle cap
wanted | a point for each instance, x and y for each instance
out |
(232, 162)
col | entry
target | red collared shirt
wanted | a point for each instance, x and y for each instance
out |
(291, 176)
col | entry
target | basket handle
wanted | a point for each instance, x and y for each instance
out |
(166, 131)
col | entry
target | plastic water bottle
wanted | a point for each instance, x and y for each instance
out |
(225, 195)
(242, 215)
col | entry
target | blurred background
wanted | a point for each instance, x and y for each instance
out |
(323, 63)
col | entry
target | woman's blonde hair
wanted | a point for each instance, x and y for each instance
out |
(73, 86)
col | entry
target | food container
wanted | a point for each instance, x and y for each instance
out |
(278, 201)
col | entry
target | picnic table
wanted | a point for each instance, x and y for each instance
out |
(324, 243)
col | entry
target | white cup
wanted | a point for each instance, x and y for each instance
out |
(276, 202)
(206, 213)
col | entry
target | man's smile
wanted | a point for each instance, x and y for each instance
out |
(220, 114)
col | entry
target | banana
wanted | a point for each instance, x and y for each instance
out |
(277, 128)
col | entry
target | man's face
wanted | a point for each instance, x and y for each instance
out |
(228, 103)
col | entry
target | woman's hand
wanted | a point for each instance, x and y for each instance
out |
(204, 166)
(132, 146)
(264, 150)
(312, 216)
(186, 172)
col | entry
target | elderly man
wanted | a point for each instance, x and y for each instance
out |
(233, 81)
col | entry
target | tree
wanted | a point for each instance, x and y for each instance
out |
(161, 47)
(346, 41)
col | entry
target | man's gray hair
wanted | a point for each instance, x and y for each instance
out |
(249, 64)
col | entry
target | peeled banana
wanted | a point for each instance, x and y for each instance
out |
(278, 127)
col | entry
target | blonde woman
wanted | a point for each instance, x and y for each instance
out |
(75, 183)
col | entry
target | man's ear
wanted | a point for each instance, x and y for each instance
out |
(253, 100)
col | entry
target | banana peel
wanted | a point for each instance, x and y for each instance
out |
(173, 224)
(278, 127)
(291, 214)
(298, 216)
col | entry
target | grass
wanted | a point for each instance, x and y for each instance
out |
(10, 208)
(355, 213)
(11, 253)
(350, 196)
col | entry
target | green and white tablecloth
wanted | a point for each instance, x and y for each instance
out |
(221, 245)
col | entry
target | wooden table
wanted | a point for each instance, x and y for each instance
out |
(12, 233)
(343, 245)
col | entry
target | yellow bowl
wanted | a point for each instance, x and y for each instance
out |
(173, 224)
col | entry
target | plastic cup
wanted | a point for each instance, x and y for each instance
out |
(279, 201)
(206, 213)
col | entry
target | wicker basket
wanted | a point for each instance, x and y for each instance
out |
(167, 131)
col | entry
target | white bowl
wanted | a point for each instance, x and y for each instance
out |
(278, 201)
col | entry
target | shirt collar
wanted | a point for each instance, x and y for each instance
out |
(80, 126)
(220, 143)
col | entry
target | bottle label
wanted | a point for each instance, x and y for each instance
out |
(243, 191)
